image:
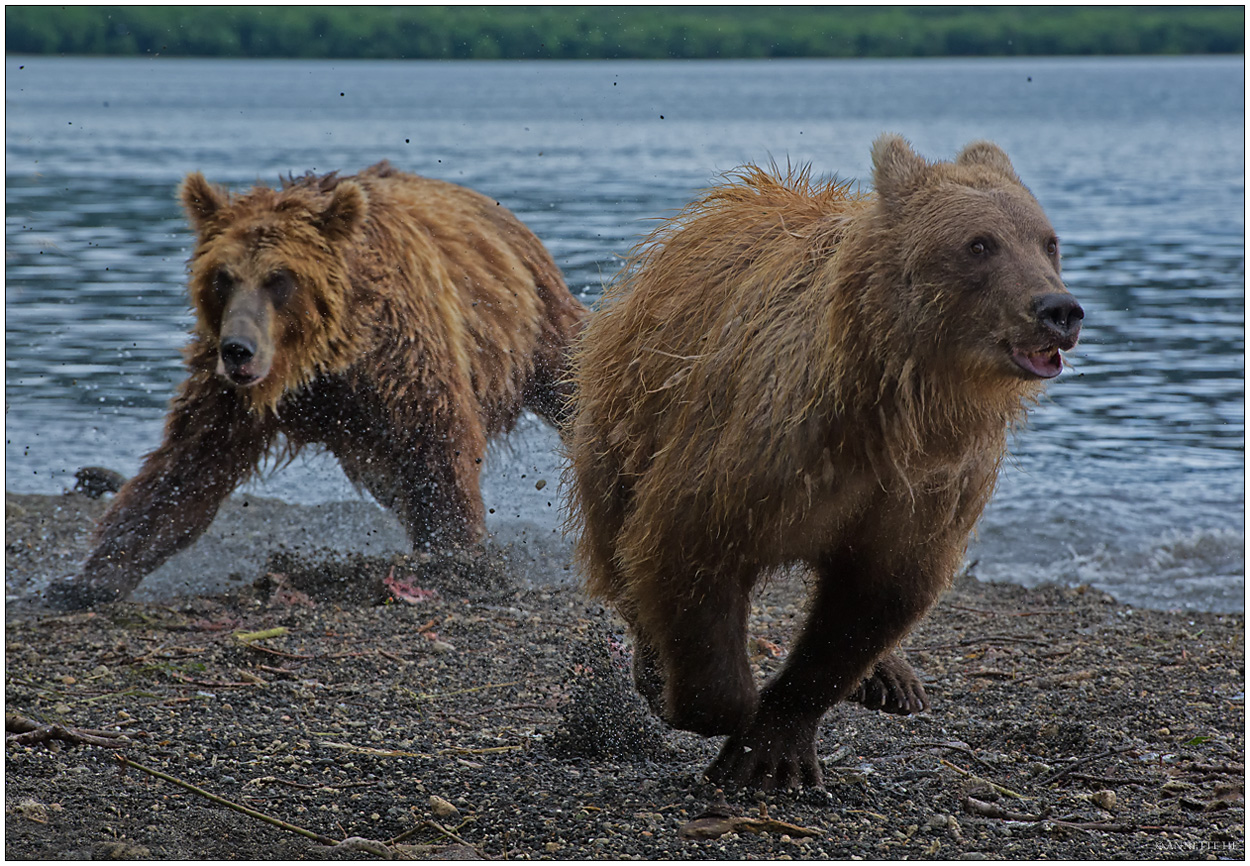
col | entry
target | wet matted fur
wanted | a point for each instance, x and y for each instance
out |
(398, 321)
(791, 371)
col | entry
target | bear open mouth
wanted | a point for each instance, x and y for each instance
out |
(238, 375)
(1045, 364)
(244, 379)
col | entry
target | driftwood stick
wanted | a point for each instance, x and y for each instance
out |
(956, 747)
(1007, 792)
(976, 641)
(20, 729)
(1056, 775)
(229, 804)
(425, 825)
(982, 809)
(973, 806)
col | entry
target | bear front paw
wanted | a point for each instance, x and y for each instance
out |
(769, 761)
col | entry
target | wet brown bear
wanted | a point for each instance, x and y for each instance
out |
(399, 321)
(791, 372)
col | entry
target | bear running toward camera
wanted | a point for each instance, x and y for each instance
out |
(790, 372)
(398, 321)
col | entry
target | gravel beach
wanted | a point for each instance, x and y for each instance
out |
(326, 705)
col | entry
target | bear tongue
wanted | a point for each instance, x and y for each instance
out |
(1045, 365)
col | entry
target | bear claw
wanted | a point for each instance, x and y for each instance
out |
(892, 687)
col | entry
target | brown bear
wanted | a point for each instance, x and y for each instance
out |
(792, 372)
(398, 321)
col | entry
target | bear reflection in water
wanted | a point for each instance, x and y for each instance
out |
(791, 372)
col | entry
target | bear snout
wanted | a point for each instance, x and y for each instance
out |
(236, 352)
(238, 362)
(245, 345)
(1060, 316)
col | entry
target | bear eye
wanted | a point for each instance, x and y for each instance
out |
(1052, 247)
(979, 247)
(279, 285)
(222, 284)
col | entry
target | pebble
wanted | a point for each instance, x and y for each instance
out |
(1104, 799)
(442, 808)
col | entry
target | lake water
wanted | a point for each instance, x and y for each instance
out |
(1129, 477)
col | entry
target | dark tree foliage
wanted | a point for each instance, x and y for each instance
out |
(585, 32)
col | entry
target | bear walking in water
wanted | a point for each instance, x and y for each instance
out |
(788, 371)
(399, 321)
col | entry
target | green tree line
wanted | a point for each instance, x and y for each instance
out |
(585, 32)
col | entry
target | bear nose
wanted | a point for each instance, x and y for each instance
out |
(1060, 313)
(236, 351)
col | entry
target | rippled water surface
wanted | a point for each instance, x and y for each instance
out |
(1130, 476)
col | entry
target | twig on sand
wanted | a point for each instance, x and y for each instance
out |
(229, 804)
(412, 831)
(977, 641)
(962, 748)
(718, 821)
(1056, 775)
(367, 846)
(973, 806)
(379, 849)
(1006, 792)
(438, 696)
(982, 809)
(19, 729)
(249, 639)
(487, 750)
(253, 636)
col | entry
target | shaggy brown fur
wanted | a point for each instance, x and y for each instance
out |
(397, 320)
(789, 372)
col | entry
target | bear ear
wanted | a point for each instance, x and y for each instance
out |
(988, 154)
(896, 169)
(201, 200)
(345, 212)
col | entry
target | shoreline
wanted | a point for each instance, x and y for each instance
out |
(1063, 724)
(249, 528)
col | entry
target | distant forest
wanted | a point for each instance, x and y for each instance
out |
(588, 32)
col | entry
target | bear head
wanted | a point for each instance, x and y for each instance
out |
(269, 281)
(975, 264)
